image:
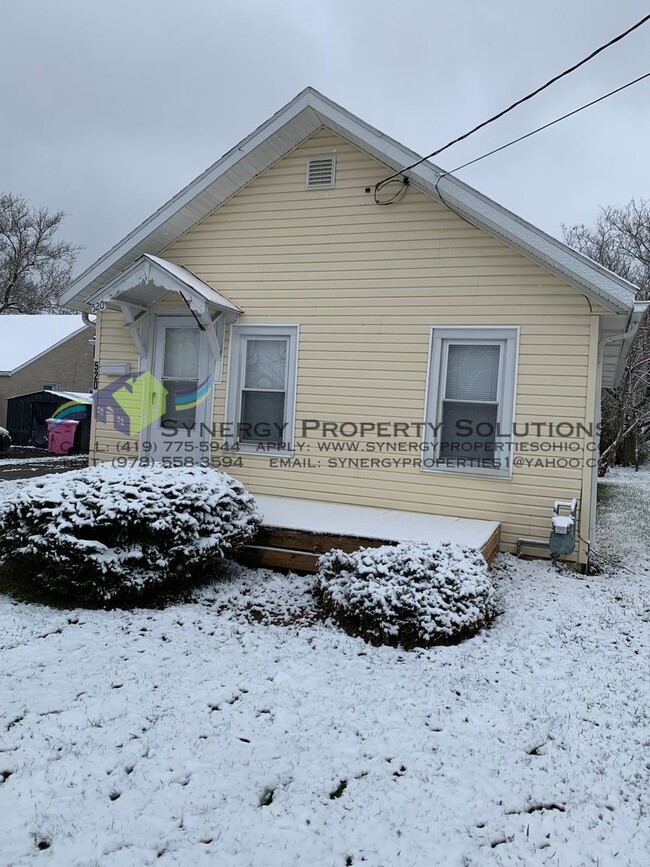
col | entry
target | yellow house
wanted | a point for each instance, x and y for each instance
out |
(411, 347)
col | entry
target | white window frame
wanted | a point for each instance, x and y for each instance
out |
(50, 386)
(239, 334)
(441, 337)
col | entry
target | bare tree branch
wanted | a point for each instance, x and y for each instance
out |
(35, 265)
(620, 240)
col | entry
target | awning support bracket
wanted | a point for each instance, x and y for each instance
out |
(210, 327)
(130, 322)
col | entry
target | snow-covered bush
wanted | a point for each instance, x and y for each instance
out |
(102, 535)
(413, 595)
(5, 440)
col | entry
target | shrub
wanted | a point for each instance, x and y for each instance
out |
(114, 536)
(5, 440)
(409, 594)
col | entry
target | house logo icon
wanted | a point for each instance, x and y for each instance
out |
(134, 402)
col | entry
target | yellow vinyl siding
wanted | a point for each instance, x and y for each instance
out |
(113, 344)
(366, 284)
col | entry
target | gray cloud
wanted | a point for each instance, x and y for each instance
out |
(112, 107)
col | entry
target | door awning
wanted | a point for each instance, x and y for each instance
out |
(136, 289)
(151, 278)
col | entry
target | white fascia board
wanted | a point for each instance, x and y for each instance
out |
(186, 195)
(636, 316)
(304, 112)
(592, 279)
(587, 276)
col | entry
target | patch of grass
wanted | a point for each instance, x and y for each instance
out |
(623, 517)
(338, 791)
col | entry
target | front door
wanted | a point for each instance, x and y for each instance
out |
(181, 394)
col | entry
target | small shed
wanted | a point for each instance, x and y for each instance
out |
(27, 416)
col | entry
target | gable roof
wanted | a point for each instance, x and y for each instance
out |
(288, 128)
(25, 337)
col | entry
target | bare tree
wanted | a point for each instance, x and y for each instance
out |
(620, 240)
(35, 266)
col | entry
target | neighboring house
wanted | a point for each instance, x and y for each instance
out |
(278, 286)
(43, 352)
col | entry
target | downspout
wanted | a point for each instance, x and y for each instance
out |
(85, 318)
(92, 323)
(636, 314)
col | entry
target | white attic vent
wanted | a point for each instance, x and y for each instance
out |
(320, 172)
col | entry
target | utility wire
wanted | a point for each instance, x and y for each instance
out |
(518, 102)
(545, 126)
(405, 180)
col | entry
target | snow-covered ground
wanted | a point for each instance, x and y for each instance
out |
(235, 731)
(39, 458)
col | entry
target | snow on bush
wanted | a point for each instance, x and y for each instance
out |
(5, 440)
(409, 594)
(111, 536)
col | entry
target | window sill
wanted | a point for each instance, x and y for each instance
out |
(262, 453)
(477, 472)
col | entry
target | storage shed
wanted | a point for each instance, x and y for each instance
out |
(27, 416)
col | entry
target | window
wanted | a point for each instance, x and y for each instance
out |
(470, 399)
(180, 373)
(50, 386)
(261, 385)
(320, 172)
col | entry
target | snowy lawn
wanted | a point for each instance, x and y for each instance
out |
(236, 731)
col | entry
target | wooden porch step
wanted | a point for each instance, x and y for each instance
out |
(294, 533)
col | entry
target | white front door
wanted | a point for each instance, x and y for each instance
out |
(184, 365)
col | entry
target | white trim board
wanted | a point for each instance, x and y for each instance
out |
(232, 411)
(288, 128)
(506, 336)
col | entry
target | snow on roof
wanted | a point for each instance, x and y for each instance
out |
(79, 396)
(193, 282)
(150, 278)
(23, 337)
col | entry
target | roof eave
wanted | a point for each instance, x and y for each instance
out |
(486, 214)
(187, 194)
(306, 111)
(637, 314)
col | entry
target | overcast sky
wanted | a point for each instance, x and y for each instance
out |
(109, 108)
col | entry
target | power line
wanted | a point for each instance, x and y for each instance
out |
(528, 96)
(545, 126)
